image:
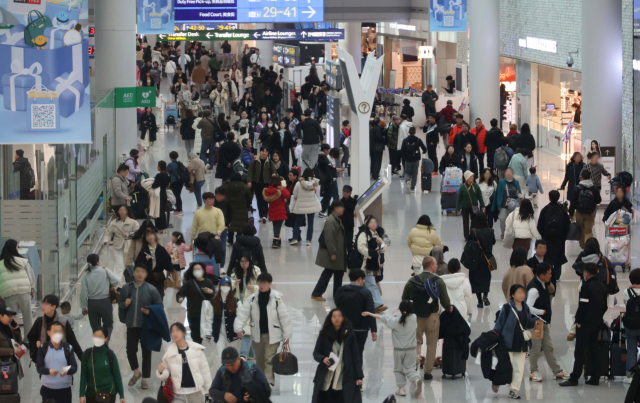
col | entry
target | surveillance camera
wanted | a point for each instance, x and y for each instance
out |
(570, 61)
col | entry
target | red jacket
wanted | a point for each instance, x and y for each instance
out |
(452, 134)
(447, 111)
(275, 197)
(480, 136)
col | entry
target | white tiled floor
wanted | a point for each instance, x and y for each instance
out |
(295, 275)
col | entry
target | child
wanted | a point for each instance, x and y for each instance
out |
(225, 205)
(52, 359)
(533, 186)
(349, 213)
(403, 335)
(276, 195)
(176, 249)
(65, 308)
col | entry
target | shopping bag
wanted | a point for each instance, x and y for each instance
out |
(574, 232)
(538, 330)
(285, 363)
(34, 31)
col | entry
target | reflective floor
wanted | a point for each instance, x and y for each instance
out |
(295, 274)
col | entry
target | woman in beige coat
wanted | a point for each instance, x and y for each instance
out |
(121, 229)
(197, 170)
(422, 238)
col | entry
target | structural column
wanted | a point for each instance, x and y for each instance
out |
(352, 42)
(484, 60)
(116, 60)
(602, 73)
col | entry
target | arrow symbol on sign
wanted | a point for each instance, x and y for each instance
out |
(304, 34)
(208, 35)
(161, 36)
(311, 12)
(607, 152)
(256, 35)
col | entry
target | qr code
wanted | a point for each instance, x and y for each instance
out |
(156, 23)
(448, 20)
(43, 116)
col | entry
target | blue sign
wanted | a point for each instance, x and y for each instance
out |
(297, 34)
(248, 11)
(448, 15)
(155, 17)
(636, 17)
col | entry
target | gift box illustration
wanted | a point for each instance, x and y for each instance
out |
(17, 83)
(70, 93)
(56, 33)
(43, 110)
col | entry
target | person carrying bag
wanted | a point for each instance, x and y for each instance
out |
(100, 378)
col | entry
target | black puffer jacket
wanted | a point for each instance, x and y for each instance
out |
(252, 245)
(487, 344)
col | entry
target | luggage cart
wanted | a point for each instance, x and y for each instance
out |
(449, 185)
(618, 246)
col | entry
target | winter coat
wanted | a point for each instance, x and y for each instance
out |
(498, 199)
(480, 276)
(334, 244)
(251, 244)
(253, 172)
(392, 136)
(412, 156)
(351, 369)
(469, 196)
(421, 241)
(616, 205)
(211, 325)
(305, 198)
(247, 294)
(368, 248)
(155, 328)
(519, 165)
(280, 326)
(525, 141)
(228, 153)
(276, 198)
(462, 139)
(572, 177)
(218, 98)
(448, 161)
(187, 132)
(473, 163)
(133, 170)
(575, 198)
(455, 331)
(493, 141)
(602, 262)
(144, 295)
(480, 137)
(376, 139)
(516, 275)
(489, 344)
(507, 321)
(208, 127)
(197, 360)
(523, 229)
(7, 352)
(119, 190)
(403, 132)
(240, 197)
(196, 168)
(555, 244)
(17, 282)
(182, 248)
(163, 262)
(121, 231)
(459, 290)
(309, 131)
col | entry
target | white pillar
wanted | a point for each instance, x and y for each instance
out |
(432, 65)
(602, 73)
(352, 42)
(115, 22)
(484, 60)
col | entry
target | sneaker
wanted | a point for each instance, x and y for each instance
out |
(294, 242)
(264, 220)
(402, 176)
(401, 392)
(323, 214)
(418, 391)
(561, 375)
(318, 298)
(569, 382)
(480, 305)
(495, 388)
(309, 243)
(144, 384)
(535, 377)
(514, 395)
(381, 308)
(427, 376)
(412, 189)
(627, 379)
(486, 301)
(134, 378)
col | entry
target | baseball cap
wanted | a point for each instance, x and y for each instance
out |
(225, 280)
(5, 311)
(229, 355)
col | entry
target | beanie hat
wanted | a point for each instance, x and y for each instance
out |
(468, 175)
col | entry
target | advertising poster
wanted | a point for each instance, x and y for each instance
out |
(636, 17)
(156, 16)
(44, 72)
(448, 15)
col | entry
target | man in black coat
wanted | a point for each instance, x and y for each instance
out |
(553, 226)
(268, 101)
(328, 174)
(227, 154)
(310, 134)
(22, 165)
(463, 138)
(297, 106)
(305, 90)
(592, 306)
(540, 257)
(429, 98)
(352, 300)
(377, 142)
(493, 141)
(432, 130)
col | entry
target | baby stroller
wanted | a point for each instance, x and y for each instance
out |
(140, 202)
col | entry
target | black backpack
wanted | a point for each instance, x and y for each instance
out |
(586, 201)
(355, 258)
(502, 159)
(421, 300)
(183, 173)
(412, 149)
(349, 301)
(553, 222)
(611, 281)
(471, 254)
(631, 317)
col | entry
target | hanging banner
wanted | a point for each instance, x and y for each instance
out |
(44, 69)
(447, 15)
(155, 16)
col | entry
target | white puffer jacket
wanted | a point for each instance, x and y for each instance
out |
(403, 132)
(305, 197)
(280, 326)
(522, 229)
(459, 290)
(197, 364)
(17, 282)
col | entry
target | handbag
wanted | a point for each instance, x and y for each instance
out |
(574, 232)
(36, 27)
(285, 363)
(526, 334)
(492, 264)
(512, 203)
(101, 397)
(165, 392)
(8, 378)
(113, 293)
(475, 209)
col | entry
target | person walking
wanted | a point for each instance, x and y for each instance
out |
(276, 195)
(149, 126)
(502, 158)
(403, 133)
(480, 133)
(305, 202)
(228, 153)
(572, 174)
(592, 306)
(341, 385)
(392, 143)
(412, 150)
(133, 302)
(469, 201)
(422, 239)
(517, 273)
(197, 171)
(427, 310)
(328, 173)
(520, 169)
(449, 159)
(332, 254)
(631, 322)
(372, 248)
(120, 188)
(619, 202)
(513, 323)
(584, 203)
(219, 319)
(162, 181)
(507, 198)
(53, 358)
(487, 186)
(209, 128)
(17, 282)
(174, 169)
(553, 226)
(432, 130)
(463, 138)
(176, 249)
(244, 283)
(269, 315)
(429, 98)
(155, 259)
(208, 219)
(480, 276)
(238, 380)
(199, 75)
(354, 300)
(95, 300)
(310, 132)
(259, 173)
(120, 231)
(522, 222)
(137, 242)
(196, 289)
(493, 141)
(526, 142)
(377, 142)
(459, 289)
(10, 333)
(100, 370)
(403, 334)
(539, 303)
(186, 364)
(239, 195)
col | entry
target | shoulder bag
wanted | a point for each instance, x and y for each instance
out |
(475, 209)
(101, 397)
(492, 264)
(285, 363)
(526, 334)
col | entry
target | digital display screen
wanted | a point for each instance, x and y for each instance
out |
(92, 51)
(92, 31)
(369, 191)
(551, 107)
(249, 11)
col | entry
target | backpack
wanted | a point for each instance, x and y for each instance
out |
(412, 149)
(68, 355)
(471, 254)
(183, 173)
(631, 319)
(171, 120)
(553, 222)
(586, 201)
(238, 166)
(349, 301)
(612, 279)
(87, 356)
(502, 159)
(422, 301)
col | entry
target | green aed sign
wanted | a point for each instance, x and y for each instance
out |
(136, 97)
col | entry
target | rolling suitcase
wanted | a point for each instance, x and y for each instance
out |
(618, 360)
(448, 199)
(452, 362)
(427, 169)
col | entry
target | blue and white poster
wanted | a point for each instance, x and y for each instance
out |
(448, 15)
(44, 72)
(155, 16)
(636, 17)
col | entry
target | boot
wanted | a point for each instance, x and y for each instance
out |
(279, 242)
(275, 243)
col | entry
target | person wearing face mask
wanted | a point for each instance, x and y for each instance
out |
(55, 364)
(100, 371)
(195, 289)
(219, 323)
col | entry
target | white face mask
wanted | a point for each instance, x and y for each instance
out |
(270, 125)
(197, 273)
(225, 289)
(98, 342)
(57, 337)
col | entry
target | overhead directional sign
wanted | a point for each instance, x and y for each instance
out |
(237, 35)
(286, 55)
(248, 11)
(257, 35)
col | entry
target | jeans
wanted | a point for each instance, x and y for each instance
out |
(223, 241)
(218, 109)
(412, 169)
(176, 188)
(188, 144)
(198, 192)
(246, 348)
(633, 339)
(299, 220)
(370, 284)
(277, 226)
(208, 145)
(133, 338)
(323, 282)
(100, 314)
